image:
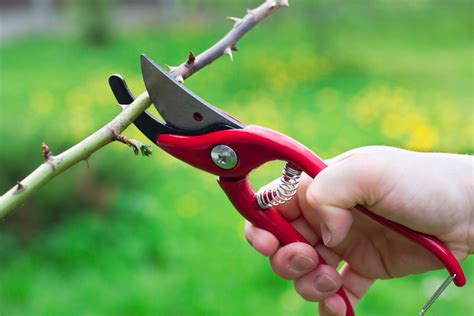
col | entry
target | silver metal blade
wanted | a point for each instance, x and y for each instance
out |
(178, 106)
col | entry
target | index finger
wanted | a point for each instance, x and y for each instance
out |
(293, 208)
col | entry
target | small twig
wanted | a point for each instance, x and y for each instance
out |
(137, 146)
(55, 165)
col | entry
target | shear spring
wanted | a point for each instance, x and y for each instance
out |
(283, 192)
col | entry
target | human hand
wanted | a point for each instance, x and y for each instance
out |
(428, 192)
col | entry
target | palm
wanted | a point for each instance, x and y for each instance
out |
(378, 253)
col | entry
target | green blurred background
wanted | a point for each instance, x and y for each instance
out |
(128, 235)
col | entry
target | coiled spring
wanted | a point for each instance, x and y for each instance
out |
(283, 192)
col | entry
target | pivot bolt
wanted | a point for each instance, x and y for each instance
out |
(224, 157)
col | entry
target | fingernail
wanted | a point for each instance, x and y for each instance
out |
(301, 263)
(325, 234)
(324, 283)
(328, 309)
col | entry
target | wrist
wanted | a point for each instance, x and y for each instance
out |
(470, 228)
(461, 169)
(468, 186)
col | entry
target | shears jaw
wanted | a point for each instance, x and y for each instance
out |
(150, 126)
(181, 108)
(184, 112)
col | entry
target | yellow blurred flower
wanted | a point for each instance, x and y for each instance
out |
(398, 115)
(423, 137)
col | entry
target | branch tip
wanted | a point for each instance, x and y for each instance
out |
(46, 152)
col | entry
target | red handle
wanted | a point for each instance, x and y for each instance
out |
(254, 146)
(242, 196)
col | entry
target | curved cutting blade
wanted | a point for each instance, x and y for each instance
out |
(178, 106)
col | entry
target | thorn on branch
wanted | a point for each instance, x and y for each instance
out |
(235, 20)
(19, 188)
(122, 106)
(179, 78)
(87, 161)
(191, 59)
(228, 52)
(137, 146)
(284, 3)
(46, 152)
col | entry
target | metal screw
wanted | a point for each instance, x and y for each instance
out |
(224, 157)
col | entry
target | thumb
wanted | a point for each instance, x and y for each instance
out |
(345, 183)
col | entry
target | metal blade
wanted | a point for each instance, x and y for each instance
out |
(178, 106)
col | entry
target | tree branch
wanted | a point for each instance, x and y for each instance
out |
(55, 165)
(228, 43)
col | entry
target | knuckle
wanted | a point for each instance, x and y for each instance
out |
(280, 268)
(292, 261)
(314, 195)
(304, 287)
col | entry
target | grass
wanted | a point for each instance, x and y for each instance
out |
(152, 236)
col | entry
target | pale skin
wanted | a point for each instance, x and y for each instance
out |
(429, 192)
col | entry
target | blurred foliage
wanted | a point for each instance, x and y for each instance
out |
(126, 235)
(93, 19)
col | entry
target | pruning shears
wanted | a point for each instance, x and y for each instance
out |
(210, 139)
